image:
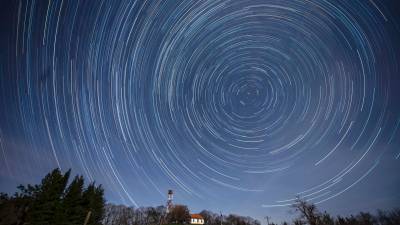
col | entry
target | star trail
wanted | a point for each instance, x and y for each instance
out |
(236, 105)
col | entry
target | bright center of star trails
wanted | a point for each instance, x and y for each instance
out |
(241, 105)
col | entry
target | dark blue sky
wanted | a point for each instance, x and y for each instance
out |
(238, 106)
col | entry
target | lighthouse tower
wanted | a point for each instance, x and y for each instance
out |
(169, 201)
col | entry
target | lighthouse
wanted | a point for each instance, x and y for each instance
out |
(169, 201)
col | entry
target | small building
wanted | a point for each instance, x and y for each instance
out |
(196, 219)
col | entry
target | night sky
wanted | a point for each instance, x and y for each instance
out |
(238, 106)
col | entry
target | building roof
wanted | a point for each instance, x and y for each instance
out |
(196, 216)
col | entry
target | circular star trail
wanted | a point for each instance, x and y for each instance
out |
(211, 98)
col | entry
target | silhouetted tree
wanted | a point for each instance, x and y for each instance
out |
(72, 203)
(46, 206)
(93, 202)
(179, 214)
(154, 215)
(326, 219)
(309, 214)
(207, 216)
(388, 218)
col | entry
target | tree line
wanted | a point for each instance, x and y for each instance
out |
(56, 201)
(308, 214)
(179, 214)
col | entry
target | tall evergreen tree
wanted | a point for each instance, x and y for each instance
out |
(72, 210)
(93, 202)
(47, 199)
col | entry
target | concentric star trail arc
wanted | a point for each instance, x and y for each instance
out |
(261, 99)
